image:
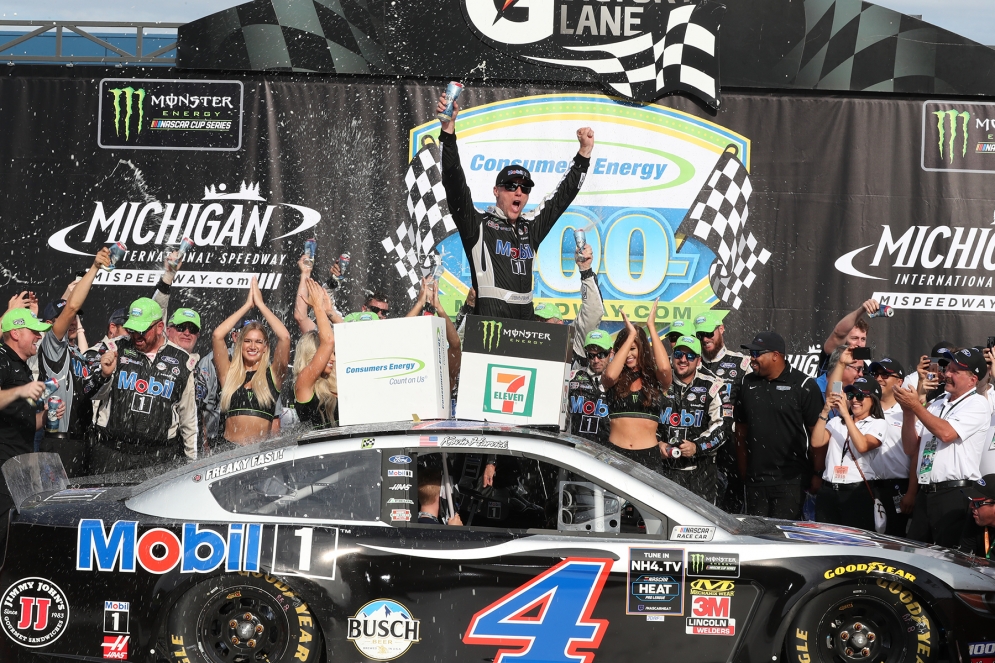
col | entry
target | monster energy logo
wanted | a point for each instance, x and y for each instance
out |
(130, 96)
(951, 116)
(696, 562)
(492, 334)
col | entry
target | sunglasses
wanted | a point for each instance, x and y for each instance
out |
(598, 355)
(857, 396)
(685, 354)
(702, 334)
(187, 328)
(882, 374)
(977, 503)
(758, 353)
(382, 312)
(515, 186)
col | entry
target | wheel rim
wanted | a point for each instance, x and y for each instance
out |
(244, 625)
(860, 630)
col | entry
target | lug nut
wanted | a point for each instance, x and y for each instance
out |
(251, 643)
(871, 636)
(234, 639)
(259, 628)
(233, 624)
(247, 617)
(865, 651)
(858, 627)
(849, 652)
(844, 636)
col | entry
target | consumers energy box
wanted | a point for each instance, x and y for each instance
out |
(514, 371)
(392, 370)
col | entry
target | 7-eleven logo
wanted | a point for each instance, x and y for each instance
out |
(116, 647)
(509, 390)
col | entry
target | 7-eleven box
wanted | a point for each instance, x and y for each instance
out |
(514, 371)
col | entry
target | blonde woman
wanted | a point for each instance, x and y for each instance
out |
(250, 381)
(315, 389)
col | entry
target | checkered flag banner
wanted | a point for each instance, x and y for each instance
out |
(684, 59)
(429, 220)
(718, 218)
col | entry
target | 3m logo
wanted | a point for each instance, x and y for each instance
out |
(949, 124)
(116, 647)
(492, 334)
(509, 390)
(710, 606)
(132, 98)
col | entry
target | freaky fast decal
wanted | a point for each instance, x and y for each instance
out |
(547, 619)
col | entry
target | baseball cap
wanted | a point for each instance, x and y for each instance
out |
(887, 365)
(599, 338)
(118, 317)
(547, 311)
(361, 316)
(968, 359)
(864, 386)
(142, 314)
(766, 340)
(689, 342)
(22, 318)
(942, 345)
(182, 315)
(509, 173)
(678, 328)
(53, 309)
(707, 322)
(983, 487)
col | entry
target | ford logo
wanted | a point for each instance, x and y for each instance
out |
(400, 460)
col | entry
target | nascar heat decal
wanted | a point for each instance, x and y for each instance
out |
(547, 619)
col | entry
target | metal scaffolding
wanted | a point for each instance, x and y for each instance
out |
(116, 55)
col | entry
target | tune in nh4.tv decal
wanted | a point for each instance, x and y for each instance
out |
(655, 581)
(958, 137)
(234, 229)
(160, 114)
(648, 168)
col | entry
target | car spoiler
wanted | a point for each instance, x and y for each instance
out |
(30, 474)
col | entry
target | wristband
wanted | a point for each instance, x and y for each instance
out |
(162, 286)
(586, 274)
(824, 418)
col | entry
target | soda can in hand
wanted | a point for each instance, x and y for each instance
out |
(343, 265)
(52, 420)
(580, 239)
(453, 91)
(310, 249)
(884, 312)
(51, 386)
(118, 249)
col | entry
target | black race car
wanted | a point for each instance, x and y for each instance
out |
(332, 548)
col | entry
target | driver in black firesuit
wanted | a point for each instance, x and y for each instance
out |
(691, 427)
(501, 242)
(588, 403)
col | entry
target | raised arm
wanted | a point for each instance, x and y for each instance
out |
(304, 381)
(76, 298)
(819, 436)
(846, 323)
(617, 364)
(221, 360)
(452, 337)
(281, 354)
(304, 323)
(592, 307)
(663, 371)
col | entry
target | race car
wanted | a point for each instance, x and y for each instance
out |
(333, 547)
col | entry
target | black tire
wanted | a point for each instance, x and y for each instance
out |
(242, 618)
(894, 626)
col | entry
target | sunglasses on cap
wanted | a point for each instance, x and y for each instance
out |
(978, 502)
(515, 186)
(685, 354)
(598, 355)
(187, 328)
(858, 396)
(758, 353)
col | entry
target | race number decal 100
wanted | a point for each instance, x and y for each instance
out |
(548, 618)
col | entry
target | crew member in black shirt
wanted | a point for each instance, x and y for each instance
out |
(777, 409)
(979, 536)
(18, 419)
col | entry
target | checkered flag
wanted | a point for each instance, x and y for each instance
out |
(684, 59)
(718, 218)
(429, 219)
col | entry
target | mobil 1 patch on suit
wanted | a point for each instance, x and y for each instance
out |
(655, 581)
(712, 565)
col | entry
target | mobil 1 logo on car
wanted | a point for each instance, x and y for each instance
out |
(655, 581)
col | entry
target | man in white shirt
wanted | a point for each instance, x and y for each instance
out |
(948, 436)
(892, 466)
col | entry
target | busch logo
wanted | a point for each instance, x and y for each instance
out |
(509, 390)
(129, 382)
(492, 334)
(947, 121)
(132, 98)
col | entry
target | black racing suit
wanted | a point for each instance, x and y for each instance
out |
(693, 412)
(730, 367)
(501, 251)
(588, 407)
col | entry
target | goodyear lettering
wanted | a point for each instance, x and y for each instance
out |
(879, 567)
(128, 381)
(801, 646)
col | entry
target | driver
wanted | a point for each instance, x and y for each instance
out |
(429, 491)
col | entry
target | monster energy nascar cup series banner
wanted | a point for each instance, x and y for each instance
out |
(782, 211)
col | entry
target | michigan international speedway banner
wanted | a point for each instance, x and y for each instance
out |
(849, 197)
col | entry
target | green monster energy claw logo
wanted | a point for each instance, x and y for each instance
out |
(492, 334)
(130, 96)
(951, 117)
(697, 562)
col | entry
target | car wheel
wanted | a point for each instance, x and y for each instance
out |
(243, 618)
(875, 620)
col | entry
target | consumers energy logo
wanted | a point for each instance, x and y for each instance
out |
(949, 124)
(133, 105)
(509, 390)
(397, 370)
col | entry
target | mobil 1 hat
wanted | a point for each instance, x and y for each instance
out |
(679, 328)
(598, 338)
(707, 322)
(967, 359)
(766, 340)
(514, 172)
(142, 314)
(22, 318)
(887, 365)
(689, 342)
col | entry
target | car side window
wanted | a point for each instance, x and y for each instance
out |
(517, 492)
(341, 486)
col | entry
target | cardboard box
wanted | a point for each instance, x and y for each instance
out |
(514, 371)
(392, 370)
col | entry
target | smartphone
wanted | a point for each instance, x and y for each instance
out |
(837, 387)
(990, 343)
(861, 354)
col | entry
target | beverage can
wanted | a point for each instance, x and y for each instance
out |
(453, 91)
(310, 249)
(118, 249)
(343, 265)
(51, 386)
(52, 420)
(580, 239)
(884, 312)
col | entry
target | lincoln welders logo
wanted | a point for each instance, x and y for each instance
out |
(949, 124)
(492, 334)
(640, 50)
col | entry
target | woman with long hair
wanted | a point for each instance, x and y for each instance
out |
(635, 381)
(845, 497)
(250, 381)
(315, 389)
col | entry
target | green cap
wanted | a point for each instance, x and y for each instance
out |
(182, 315)
(22, 318)
(142, 314)
(361, 316)
(689, 342)
(677, 327)
(707, 322)
(600, 338)
(547, 311)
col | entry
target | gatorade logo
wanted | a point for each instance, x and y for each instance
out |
(129, 381)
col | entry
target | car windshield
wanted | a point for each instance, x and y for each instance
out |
(681, 495)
